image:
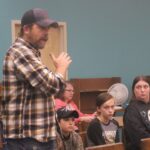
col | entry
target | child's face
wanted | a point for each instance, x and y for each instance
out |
(107, 109)
(67, 124)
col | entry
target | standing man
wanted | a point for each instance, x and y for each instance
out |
(27, 106)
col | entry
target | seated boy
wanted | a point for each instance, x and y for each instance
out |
(67, 138)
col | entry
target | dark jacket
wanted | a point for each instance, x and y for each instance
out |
(95, 133)
(136, 124)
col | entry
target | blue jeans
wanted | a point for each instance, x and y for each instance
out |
(29, 144)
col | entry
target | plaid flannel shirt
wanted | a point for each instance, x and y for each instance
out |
(28, 86)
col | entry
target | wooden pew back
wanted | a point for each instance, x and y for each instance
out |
(145, 144)
(115, 146)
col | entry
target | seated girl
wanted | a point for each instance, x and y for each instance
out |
(103, 129)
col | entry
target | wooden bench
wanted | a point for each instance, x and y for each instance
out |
(145, 144)
(115, 146)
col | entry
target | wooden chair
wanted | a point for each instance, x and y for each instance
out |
(145, 144)
(119, 119)
(82, 126)
(115, 146)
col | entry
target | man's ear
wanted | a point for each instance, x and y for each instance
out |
(26, 29)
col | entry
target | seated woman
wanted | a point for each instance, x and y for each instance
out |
(137, 114)
(64, 99)
(103, 129)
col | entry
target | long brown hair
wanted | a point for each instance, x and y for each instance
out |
(136, 80)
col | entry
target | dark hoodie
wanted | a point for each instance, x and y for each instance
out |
(136, 124)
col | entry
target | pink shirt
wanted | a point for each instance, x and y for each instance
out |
(72, 106)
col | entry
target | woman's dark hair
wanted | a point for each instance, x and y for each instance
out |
(102, 98)
(136, 80)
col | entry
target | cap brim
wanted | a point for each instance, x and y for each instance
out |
(74, 114)
(47, 23)
(70, 114)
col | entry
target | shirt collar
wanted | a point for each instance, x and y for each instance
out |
(29, 45)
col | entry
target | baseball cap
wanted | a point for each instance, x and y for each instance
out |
(38, 16)
(65, 113)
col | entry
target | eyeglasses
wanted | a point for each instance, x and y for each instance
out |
(69, 90)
